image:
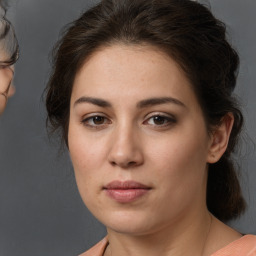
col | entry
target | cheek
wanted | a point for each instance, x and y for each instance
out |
(181, 178)
(180, 160)
(88, 155)
(85, 151)
(179, 149)
(84, 161)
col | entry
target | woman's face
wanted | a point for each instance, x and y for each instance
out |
(6, 88)
(137, 140)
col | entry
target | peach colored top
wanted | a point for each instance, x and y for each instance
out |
(245, 246)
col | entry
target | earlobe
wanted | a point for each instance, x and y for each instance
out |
(220, 138)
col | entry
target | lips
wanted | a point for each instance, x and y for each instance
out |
(126, 191)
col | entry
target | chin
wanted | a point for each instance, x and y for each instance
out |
(128, 223)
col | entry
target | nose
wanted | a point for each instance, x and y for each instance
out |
(126, 148)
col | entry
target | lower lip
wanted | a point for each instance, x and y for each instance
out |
(126, 195)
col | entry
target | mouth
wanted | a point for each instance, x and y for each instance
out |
(126, 191)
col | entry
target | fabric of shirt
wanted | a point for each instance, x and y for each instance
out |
(244, 246)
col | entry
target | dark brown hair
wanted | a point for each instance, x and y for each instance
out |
(190, 34)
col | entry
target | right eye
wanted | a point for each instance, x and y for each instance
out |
(96, 121)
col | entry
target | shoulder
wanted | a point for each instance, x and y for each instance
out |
(98, 249)
(244, 246)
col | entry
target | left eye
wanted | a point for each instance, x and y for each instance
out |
(160, 120)
(95, 121)
(98, 120)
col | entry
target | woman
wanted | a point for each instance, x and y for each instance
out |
(141, 91)
(8, 56)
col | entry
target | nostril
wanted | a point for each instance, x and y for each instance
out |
(132, 163)
(124, 164)
(113, 163)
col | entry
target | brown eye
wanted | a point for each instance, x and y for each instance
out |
(160, 120)
(98, 120)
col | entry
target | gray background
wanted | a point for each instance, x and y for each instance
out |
(41, 212)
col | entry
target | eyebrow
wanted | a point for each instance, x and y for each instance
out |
(142, 104)
(159, 101)
(95, 101)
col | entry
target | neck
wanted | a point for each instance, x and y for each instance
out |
(181, 238)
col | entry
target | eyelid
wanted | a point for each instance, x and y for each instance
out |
(87, 117)
(162, 114)
(171, 119)
(92, 114)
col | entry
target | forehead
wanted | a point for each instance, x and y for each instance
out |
(134, 71)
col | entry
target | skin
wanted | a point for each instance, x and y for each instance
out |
(6, 76)
(162, 144)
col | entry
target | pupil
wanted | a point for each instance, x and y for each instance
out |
(159, 120)
(98, 120)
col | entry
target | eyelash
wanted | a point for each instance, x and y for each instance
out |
(166, 121)
(92, 118)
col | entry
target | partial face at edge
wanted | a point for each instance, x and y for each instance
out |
(6, 88)
(134, 117)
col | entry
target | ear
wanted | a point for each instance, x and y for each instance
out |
(219, 138)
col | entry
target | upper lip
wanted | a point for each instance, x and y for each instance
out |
(129, 184)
